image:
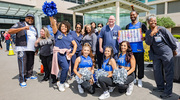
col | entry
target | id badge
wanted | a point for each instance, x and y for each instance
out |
(114, 37)
(158, 39)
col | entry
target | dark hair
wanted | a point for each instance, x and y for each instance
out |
(92, 30)
(80, 25)
(67, 24)
(92, 23)
(128, 52)
(112, 53)
(101, 24)
(132, 6)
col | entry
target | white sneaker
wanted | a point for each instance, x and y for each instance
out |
(105, 95)
(134, 81)
(111, 89)
(60, 86)
(139, 82)
(130, 88)
(81, 90)
(66, 85)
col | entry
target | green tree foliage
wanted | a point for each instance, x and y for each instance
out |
(166, 22)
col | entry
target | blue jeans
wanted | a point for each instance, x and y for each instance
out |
(64, 64)
(7, 44)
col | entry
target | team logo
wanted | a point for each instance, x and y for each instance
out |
(20, 54)
(60, 36)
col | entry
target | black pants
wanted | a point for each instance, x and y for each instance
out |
(47, 64)
(122, 87)
(26, 64)
(88, 87)
(99, 57)
(105, 82)
(0, 43)
(140, 62)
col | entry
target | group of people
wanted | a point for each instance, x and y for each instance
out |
(77, 51)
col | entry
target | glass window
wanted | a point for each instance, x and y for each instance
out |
(143, 1)
(174, 7)
(151, 0)
(160, 8)
(76, 1)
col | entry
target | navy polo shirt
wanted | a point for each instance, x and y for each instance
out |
(62, 41)
(110, 37)
(77, 39)
(136, 46)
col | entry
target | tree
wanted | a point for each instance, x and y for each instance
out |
(166, 22)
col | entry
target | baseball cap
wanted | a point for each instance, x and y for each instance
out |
(30, 15)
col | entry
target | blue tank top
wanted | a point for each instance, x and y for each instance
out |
(122, 62)
(136, 46)
(105, 65)
(85, 62)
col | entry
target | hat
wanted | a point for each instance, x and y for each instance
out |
(30, 15)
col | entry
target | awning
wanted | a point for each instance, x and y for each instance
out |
(97, 5)
(18, 10)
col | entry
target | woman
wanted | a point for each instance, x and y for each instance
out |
(93, 24)
(8, 40)
(162, 48)
(85, 61)
(99, 55)
(127, 60)
(61, 50)
(90, 37)
(109, 64)
(45, 43)
(77, 37)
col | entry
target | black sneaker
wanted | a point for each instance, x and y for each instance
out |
(164, 96)
(158, 90)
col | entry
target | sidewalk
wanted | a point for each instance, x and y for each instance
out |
(10, 89)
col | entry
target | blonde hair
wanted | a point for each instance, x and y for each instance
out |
(90, 54)
(46, 31)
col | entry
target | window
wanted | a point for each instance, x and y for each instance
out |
(75, 1)
(151, 0)
(60, 17)
(173, 7)
(160, 9)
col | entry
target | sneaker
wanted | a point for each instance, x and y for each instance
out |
(165, 96)
(139, 82)
(134, 81)
(130, 88)
(33, 77)
(23, 84)
(105, 95)
(111, 89)
(81, 90)
(66, 85)
(60, 86)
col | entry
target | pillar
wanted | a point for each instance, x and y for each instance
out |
(38, 23)
(117, 13)
(74, 20)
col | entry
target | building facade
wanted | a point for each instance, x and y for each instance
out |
(13, 11)
(165, 8)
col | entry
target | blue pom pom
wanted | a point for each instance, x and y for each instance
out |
(49, 8)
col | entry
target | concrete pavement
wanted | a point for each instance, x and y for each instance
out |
(35, 90)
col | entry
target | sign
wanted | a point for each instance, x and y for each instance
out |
(132, 35)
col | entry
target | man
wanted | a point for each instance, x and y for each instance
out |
(26, 35)
(137, 47)
(108, 36)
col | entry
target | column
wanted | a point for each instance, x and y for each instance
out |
(166, 8)
(74, 20)
(38, 23)
(117, 13)
(147, 14)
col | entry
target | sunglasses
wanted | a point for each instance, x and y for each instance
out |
(99, 26)
(78, 27)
